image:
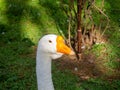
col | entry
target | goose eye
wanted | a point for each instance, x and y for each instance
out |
(50, 41)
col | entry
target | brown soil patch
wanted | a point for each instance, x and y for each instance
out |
(86, 68)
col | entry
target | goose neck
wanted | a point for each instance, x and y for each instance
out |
(43, 70)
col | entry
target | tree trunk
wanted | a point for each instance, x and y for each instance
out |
(79, 30)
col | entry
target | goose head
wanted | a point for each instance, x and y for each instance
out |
(53, 46)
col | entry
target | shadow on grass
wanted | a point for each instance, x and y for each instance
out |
(54, 10)
(20, 9)
(113, 10)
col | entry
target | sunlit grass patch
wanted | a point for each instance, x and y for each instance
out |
(28, 18)
(33, 3)
(107, 54)
(3, 8)
(36, 23)
(2, 5)
(30, 31)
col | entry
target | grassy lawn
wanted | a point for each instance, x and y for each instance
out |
(22, 23)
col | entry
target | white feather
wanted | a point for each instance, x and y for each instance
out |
(45, 53)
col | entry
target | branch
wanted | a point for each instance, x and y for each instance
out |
(100, 11)
(105, 16)
(69, 32)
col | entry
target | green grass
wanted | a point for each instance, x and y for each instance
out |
(25, 19)
(98, 84)
(112, 10)
(22, 23)
(16, 72)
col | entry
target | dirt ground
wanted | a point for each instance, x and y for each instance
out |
(87, 67)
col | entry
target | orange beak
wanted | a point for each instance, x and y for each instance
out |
(62, 48)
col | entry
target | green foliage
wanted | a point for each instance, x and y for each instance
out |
(113, 10)
(23, 22)
(112, 49)
(109, 53)
(15, 71)
(64, 80)
(24, 19)
(98, 84)
(55, 11)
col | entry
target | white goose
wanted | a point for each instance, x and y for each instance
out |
(49, 47)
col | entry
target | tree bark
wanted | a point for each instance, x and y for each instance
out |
(79, 30)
